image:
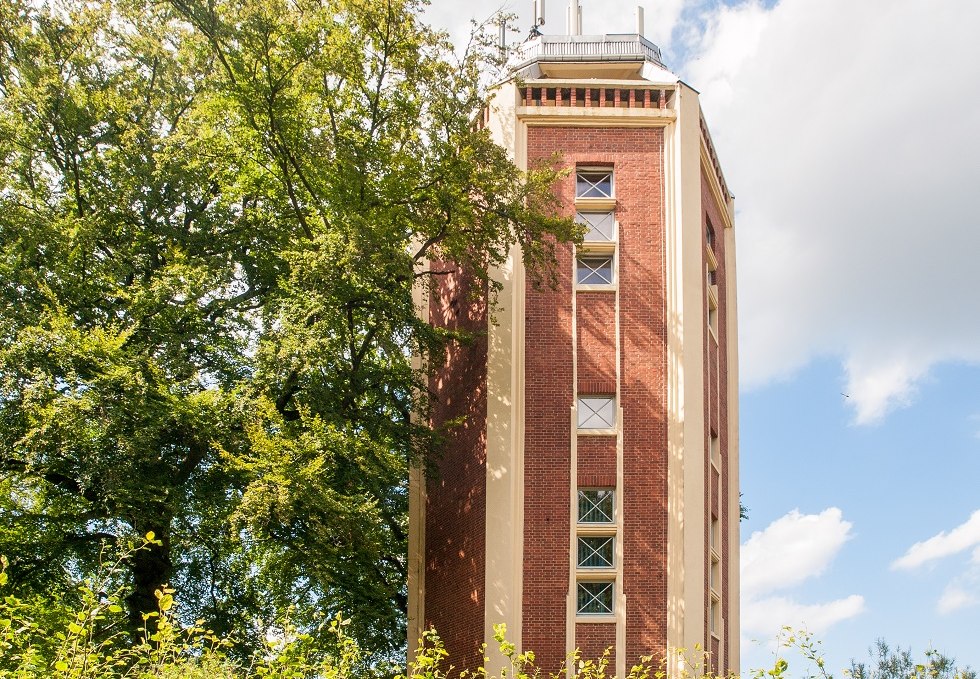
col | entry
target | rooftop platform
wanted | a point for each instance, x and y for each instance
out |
(588, 48)
(627, 56)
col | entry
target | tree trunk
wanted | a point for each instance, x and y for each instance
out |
(151, 568)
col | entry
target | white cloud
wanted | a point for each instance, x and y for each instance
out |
(849, 135)
(878, 384)
(963, 537)
(767, 616)
(791, 550)
(963, 591)
(955, 598)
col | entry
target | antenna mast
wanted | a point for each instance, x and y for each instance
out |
(538, 19)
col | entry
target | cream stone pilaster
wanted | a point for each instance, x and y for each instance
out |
(416, 516)
(505, 419)
(732, 624)
(685, 379)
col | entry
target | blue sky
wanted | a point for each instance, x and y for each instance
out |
(850, 135)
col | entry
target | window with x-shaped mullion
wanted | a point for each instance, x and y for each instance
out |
(595, 270)
(597, 184)
(595, 505)
(595, 598)
(600, 226)
(596, 412)
(595, 552)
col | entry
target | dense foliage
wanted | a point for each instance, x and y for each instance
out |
(42, 637)
(213, 216)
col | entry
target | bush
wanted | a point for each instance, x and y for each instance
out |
(46, 638)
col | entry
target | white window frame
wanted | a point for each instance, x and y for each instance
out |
(586, 170)
(608, 586)
(584, 217)
(712, 313)
(611, 521)
(597, 251)
(588, 409)
(711, 291)
(603, 529)
(583, 540)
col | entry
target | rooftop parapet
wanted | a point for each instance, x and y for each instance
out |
(619, 47)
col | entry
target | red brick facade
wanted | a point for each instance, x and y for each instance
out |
(636, 158)
(586, 342)
(456, 504)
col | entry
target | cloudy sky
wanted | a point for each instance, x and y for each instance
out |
(849, 131)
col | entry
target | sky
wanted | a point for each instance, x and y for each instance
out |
(849, 132)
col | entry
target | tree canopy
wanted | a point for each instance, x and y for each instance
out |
(213, 216)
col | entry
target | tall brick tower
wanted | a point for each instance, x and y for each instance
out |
(590, 499)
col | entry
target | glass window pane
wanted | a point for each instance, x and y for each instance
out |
(601, 226)
(595, 506)
(595, 552)
(595, 598)
(593, 184)
(595, 270)
(596, 412)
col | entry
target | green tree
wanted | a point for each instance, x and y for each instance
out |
(885, 662)
(212, 219)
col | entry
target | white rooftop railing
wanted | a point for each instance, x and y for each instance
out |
(612, 47)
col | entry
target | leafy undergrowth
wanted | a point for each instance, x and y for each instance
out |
(94, 640)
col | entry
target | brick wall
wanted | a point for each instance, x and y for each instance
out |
(636, 156)
(596, 343)
(596, 461)
(594, 639)
(456, 505)
(639, 187)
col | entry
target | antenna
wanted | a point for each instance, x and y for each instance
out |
(639, 20)
(537, 21)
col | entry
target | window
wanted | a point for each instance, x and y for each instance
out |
(715, 615)
(595, 265)
(712, 314)
(711, 270)
(715, 534)
(714, 575)
(597, 412)
(595, 598)
(594, 269)
(595, 506)
(594, 184)
(595, 552)
(600, 226)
